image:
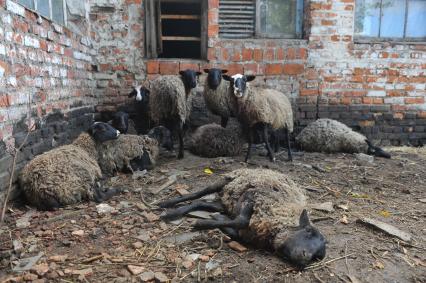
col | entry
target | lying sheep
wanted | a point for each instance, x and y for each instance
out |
(264, 206)
(330, 136)
(260, 109)
(212, 140)
(216, 95)
(170, 102)
(130, 153)
(67, 174)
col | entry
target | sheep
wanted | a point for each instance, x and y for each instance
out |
(170, 102)
(330, 136)
(122, 122)
(67, 174)
(258, 109)
(212, 140)
(140, 109)
(264, 206)
(216, 95)
(129, 153)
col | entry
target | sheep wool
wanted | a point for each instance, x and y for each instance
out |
(115, 155)
(212, 140)
(169, 100)
(64, 176)
(266, 106)
(278, 202)
(330, 136)
(218, 100)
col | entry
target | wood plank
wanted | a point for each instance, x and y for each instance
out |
(180, 17)
(181, 38)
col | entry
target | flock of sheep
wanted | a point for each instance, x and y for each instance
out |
(261, 206)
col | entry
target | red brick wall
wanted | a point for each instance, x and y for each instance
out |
(54, 67)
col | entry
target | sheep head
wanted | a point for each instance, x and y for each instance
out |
(238, 83)
(305, 245)
(120, 121)
(140, 93)
(214, 77)
(102, 132)
(189, 78)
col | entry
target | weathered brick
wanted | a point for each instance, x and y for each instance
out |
(293, 69)
(152, 67)
(169, 68)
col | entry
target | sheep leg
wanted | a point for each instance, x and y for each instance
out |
(250, 142)
(180, 135)
(268, 146)
(287, 135)
(231, 232)
(224, 122)
(214, 188)
(239, 222)
(176, 213)
(275, 136)
(100, 195)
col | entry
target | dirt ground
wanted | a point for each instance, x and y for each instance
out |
(131, 244)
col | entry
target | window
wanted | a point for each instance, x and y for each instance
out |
(51, 9)
(391, 19)
(176, 29)
(260, 18)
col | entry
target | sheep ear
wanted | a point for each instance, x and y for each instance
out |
(198, 73)
(206, 71)
(133, 93)
(304, 219)
(224, 71)
(145, 90)
(227, 78)
(250, 78)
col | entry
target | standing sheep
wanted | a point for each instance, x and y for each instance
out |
(212, 140)
(217, 97)
(264, 206)
(259, 109)
(170, 102)
(67, 174)
(330, 136)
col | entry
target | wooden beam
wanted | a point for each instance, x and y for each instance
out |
(180, 17)
(181, 38)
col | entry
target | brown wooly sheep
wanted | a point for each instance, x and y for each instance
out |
(216, 95)
(63, 176)
(212, 140)
(170, 102)
(266, 208)
(260, 109)
(331, 136)
(128, 153)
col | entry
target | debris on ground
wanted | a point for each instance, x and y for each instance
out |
(387, 228)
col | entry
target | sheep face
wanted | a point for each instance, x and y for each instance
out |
(120, 121)
(214, 77)
(102, 132)
(163, 136)
(140, 93)
(189, 78)
(238, 83)
(307, 244)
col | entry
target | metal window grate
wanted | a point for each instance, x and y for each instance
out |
(237, 18)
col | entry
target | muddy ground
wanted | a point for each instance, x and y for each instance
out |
(77, 244)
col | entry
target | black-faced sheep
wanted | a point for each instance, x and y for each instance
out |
(264, 208)
(170, 102)
(331, 136)
(67, 174)
(129, 153)
(212, 140)
(140, 109)
(103, 132)
(260, 109)
(216, 95)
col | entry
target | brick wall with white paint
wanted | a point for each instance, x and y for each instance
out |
(50, 65)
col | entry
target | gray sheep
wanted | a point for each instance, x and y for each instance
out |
(265, 208)
(212, 140)
(170, 102)
(216, 95)
(330, 136)
(261, 109)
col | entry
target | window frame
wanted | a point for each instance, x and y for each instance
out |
(50, 18)
(299, 20)
(379, 39)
